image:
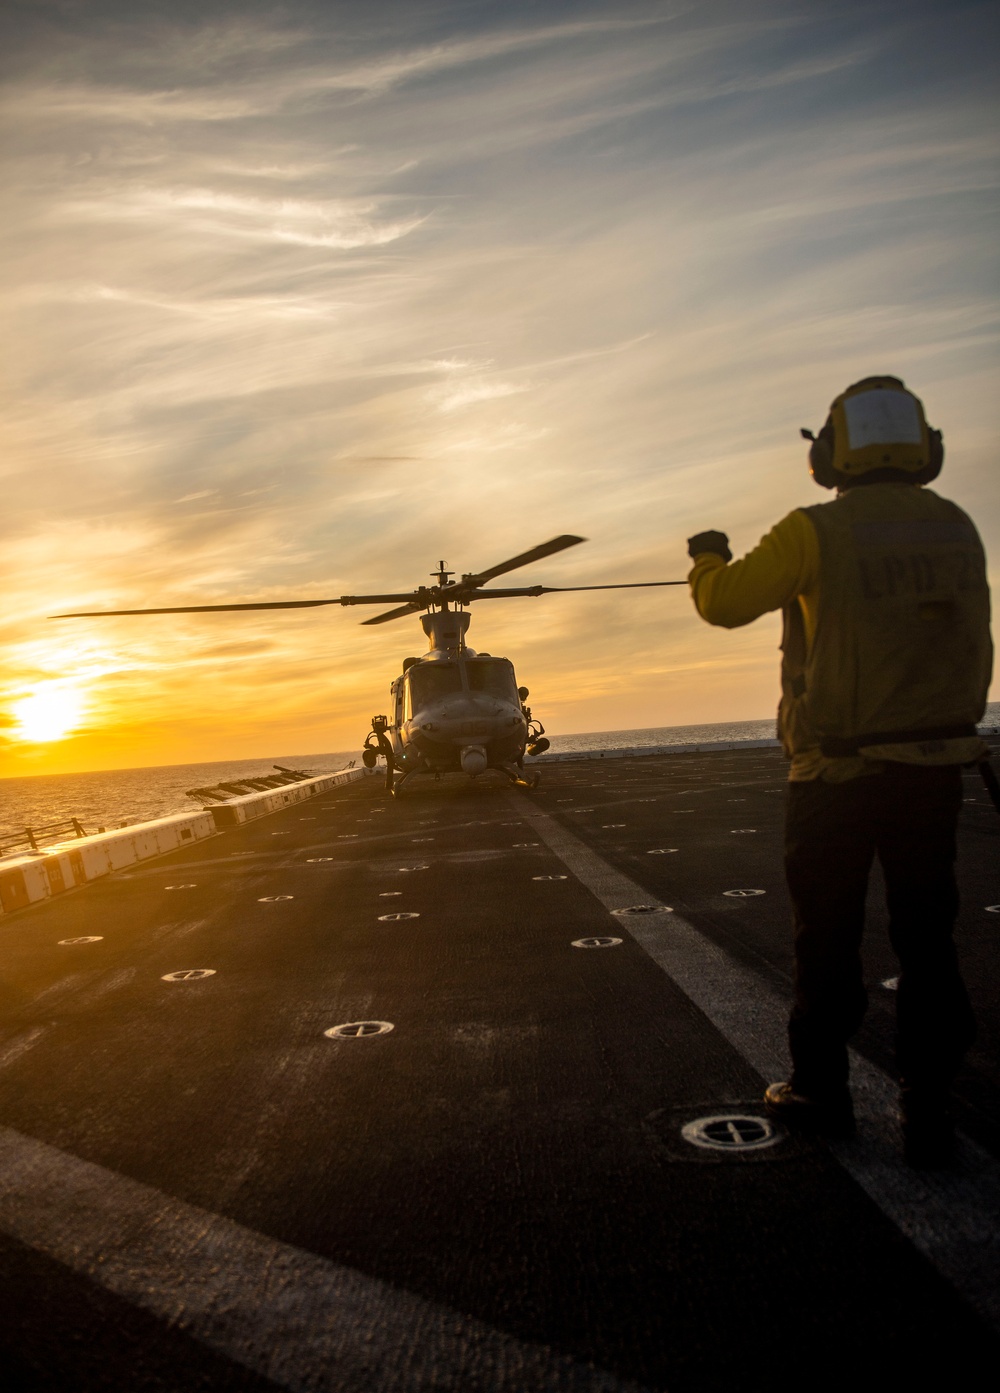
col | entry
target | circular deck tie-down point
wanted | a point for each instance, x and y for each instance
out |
(598, 942)
(188, 974)
(550, 877)
(642, 909)
(403, 914)
(87, 938)
(662, 850)
(354, 1030)
(730, 1132)
(273, 899)
(743, 894)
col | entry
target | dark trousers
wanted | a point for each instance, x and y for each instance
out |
(907, 817)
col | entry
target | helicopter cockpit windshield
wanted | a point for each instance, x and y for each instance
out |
(428, 682)
(494, 676)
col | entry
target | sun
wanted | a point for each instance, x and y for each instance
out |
(49, 713)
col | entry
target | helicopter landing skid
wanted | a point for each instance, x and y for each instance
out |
(517, 778)
(395, 780)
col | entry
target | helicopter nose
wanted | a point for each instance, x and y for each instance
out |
(473, 728)
(472, 718)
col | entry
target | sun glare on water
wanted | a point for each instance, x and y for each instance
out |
(48, 714)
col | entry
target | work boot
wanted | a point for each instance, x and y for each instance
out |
(830, 1116)
(928, 1128)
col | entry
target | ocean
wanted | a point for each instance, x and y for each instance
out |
(110, 798)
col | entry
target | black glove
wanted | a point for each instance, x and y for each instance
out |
(716, 542)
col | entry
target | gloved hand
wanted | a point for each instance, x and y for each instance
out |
(716, 542)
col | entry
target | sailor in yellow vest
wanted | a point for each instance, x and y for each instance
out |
(886, 661)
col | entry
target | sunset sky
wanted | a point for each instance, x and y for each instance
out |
(302, 297)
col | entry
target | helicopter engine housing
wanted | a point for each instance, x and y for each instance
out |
(445, 630)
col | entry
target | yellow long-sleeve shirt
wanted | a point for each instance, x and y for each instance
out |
(783, 567)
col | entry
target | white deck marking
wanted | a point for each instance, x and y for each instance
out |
(304, 1322)
(731, 1132)
(949, 1216)
(21, 1044)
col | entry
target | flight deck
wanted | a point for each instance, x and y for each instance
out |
(462, 1091)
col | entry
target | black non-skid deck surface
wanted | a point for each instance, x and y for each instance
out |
(511, 1149)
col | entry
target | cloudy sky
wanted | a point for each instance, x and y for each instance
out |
(302, 297)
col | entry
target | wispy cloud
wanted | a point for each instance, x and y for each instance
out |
(210, 214)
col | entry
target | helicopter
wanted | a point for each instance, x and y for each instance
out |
(453, 710)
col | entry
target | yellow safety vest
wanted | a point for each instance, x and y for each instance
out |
(901, 659)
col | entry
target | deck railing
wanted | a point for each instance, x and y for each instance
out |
(34, 837)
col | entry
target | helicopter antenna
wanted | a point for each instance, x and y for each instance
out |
(443, 577)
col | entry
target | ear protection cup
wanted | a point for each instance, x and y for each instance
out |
(821, 457)
(936, 457)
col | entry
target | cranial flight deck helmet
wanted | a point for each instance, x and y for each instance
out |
(875, 425)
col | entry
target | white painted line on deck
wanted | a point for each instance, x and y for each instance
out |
(21, 1044)
(309, 1325)
(358, 1030)
(949, 1216)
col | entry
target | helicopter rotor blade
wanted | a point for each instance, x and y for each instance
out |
(524, 559)
(221, 609)
(461, 592)
(562, 589)
(622, 585)
(467, 596)
(196, 609)
(414, 597)
(395, 614)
